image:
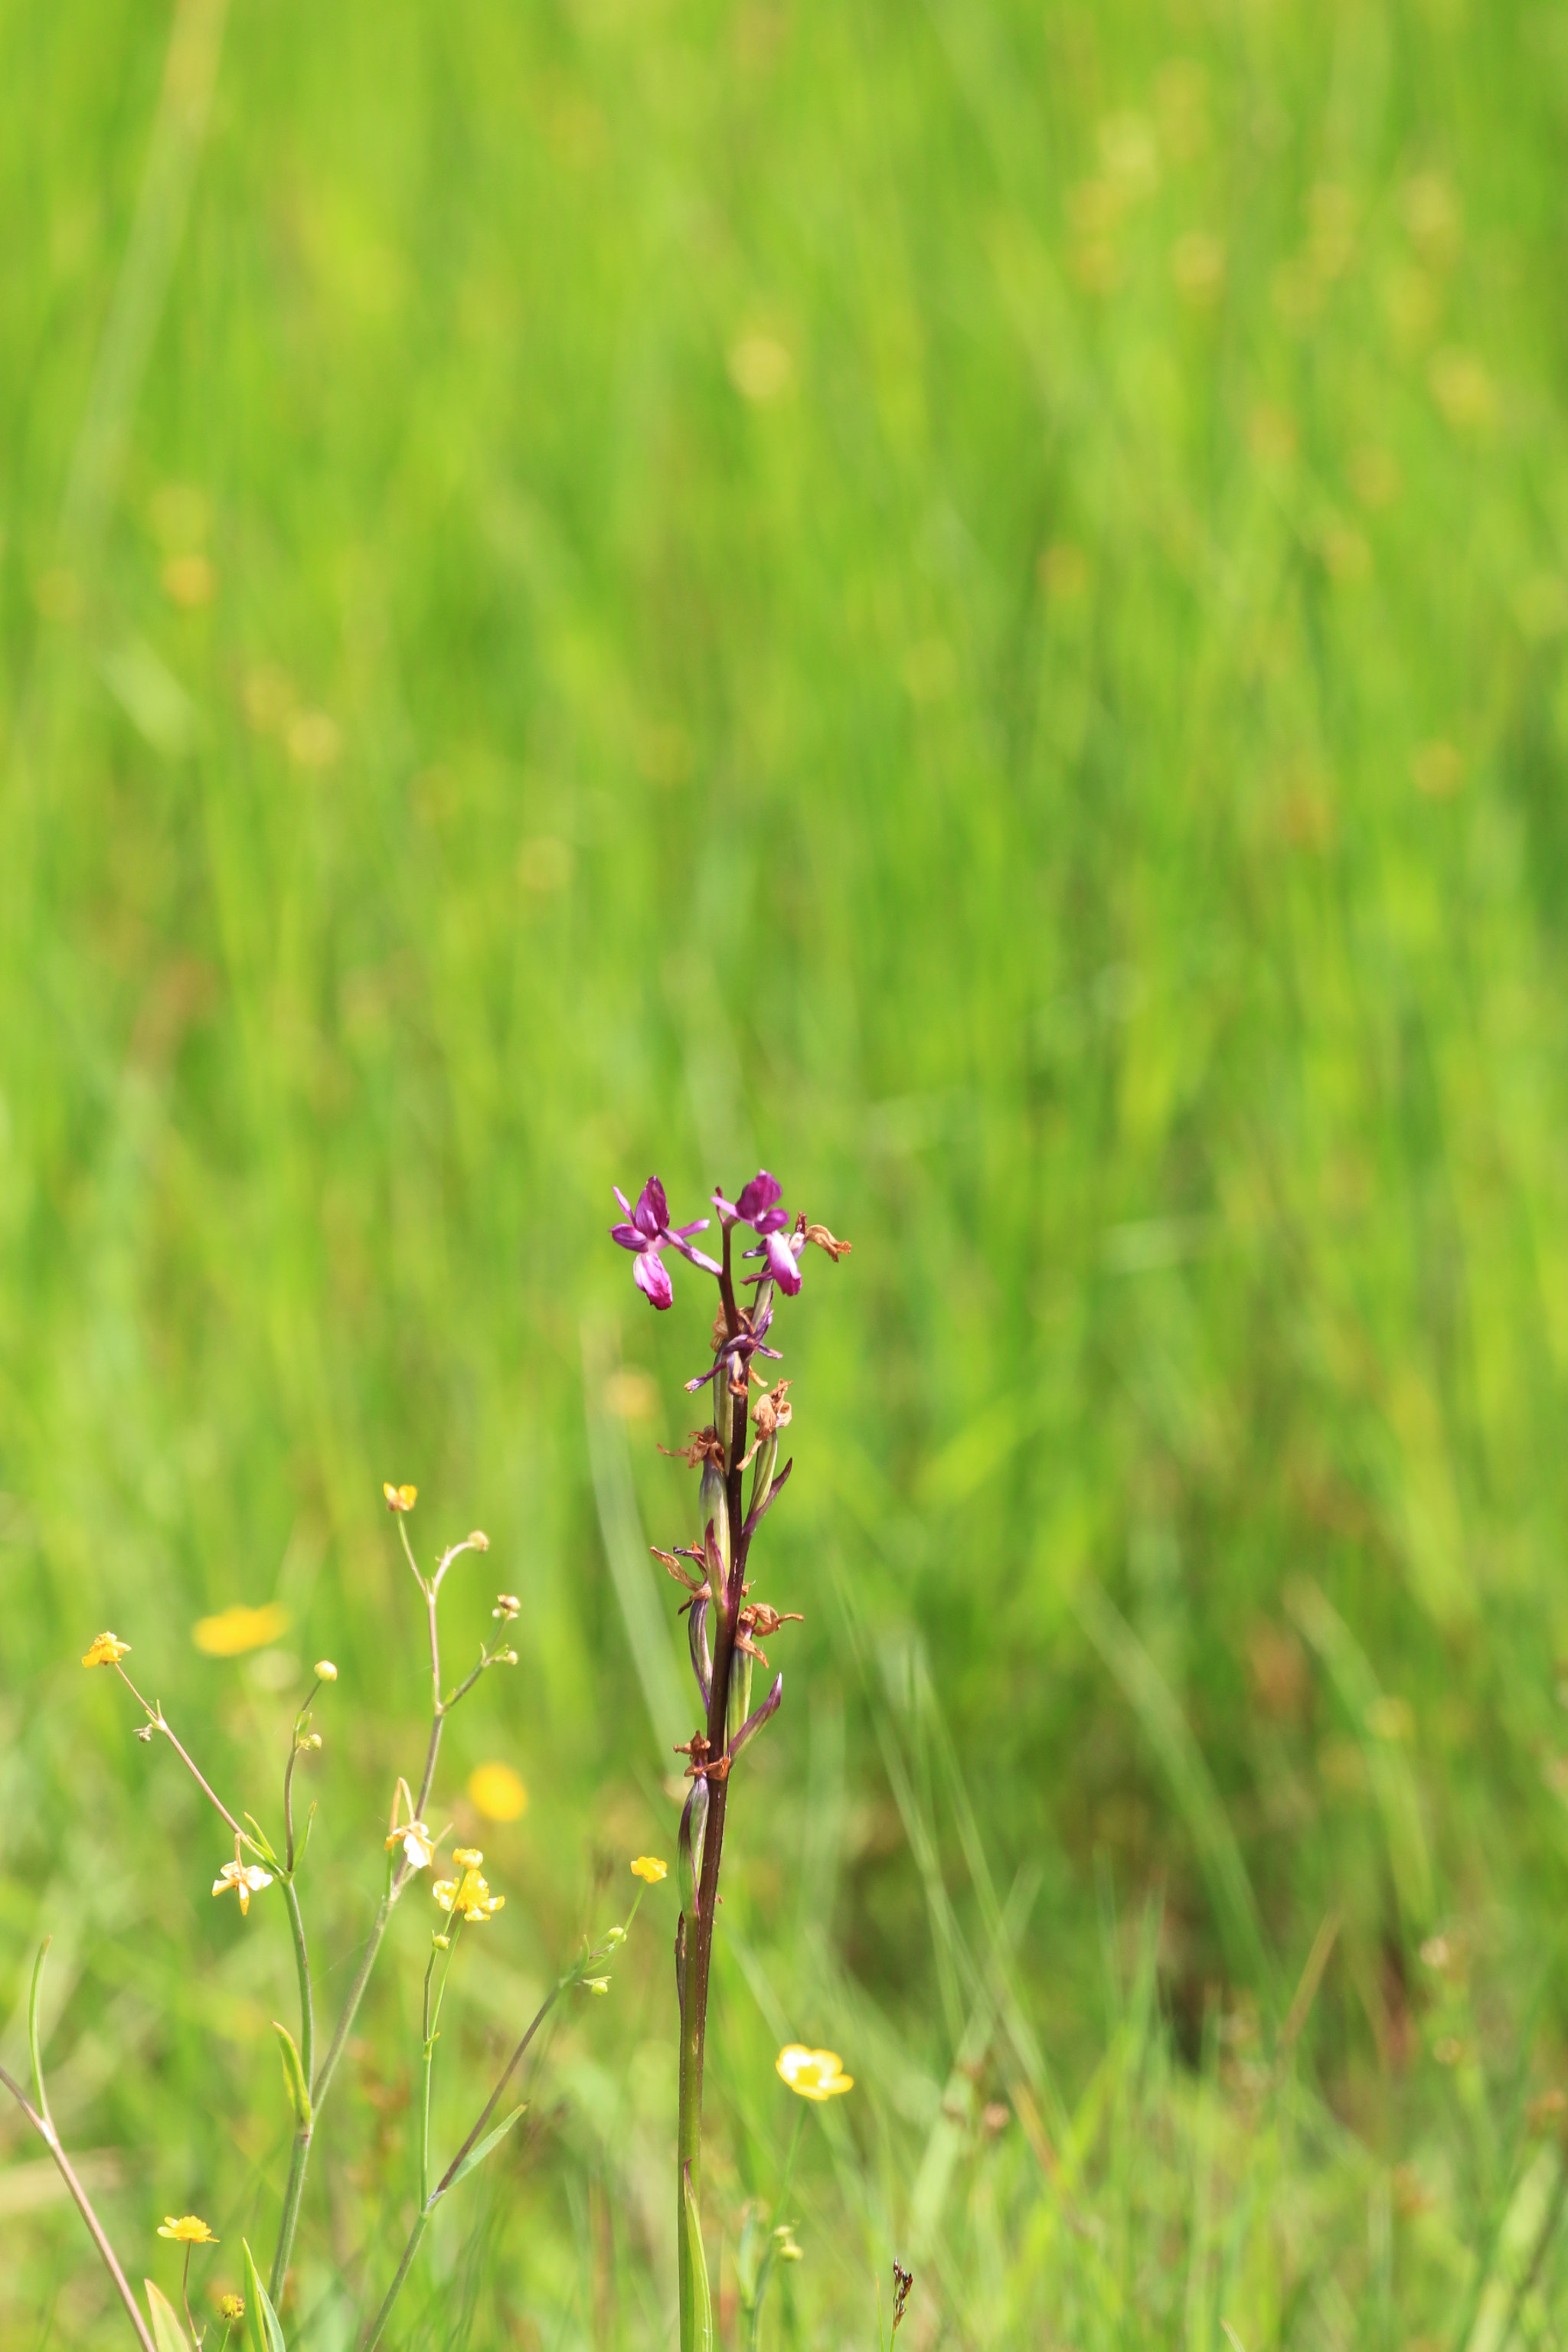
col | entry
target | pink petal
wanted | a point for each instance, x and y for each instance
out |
(781, 1265)
(649, 1274)
(758, 1196)
(652, 1211)
(629, 1237)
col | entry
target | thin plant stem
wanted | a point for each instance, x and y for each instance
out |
(430, 2201)
(403, 1870)
(154, 1715)
(753, 2332)
(299, 1720)
(400, 1873)
(299, 2155)
(186, 2296)
(432, 2028)
(50, 2138)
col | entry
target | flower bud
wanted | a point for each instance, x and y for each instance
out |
(688, 1847)
(714, 1505)
(314, 1740)
(325, 1672)
(600, 1984)
(740, 1693)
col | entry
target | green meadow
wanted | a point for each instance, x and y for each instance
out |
(967, 599)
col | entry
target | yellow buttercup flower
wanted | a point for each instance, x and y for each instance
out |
(418, 1846)
(190, 2230)
(813, 2073)
(231, 2307)
(470, 1894)
(233, 1631)
(399, 1498)
(495, 1791)
(648, 1867)
(246, 1878)
(107, 1649)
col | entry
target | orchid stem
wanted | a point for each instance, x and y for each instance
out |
(699, 1930)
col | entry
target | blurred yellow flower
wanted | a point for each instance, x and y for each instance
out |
(399, 1498)
(325, 1670)
(246, 1878)
(648, 1866)
(814, 2074)
(231, 2307)
(233, 1631)
(496, 1791)
(190, 2230)
(107, 1649)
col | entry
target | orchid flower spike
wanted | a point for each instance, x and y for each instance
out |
(648, 1230)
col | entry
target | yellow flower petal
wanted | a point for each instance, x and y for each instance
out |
(233, 1631)
(648, 1867)
(813, 2073)
(189, 2230)
(399, 1498)
(496, 1791)
(107, 1649)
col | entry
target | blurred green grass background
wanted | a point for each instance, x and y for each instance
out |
(967, 599)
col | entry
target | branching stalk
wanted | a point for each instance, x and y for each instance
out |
(429, 2200)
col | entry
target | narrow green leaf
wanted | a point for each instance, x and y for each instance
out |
(33, 2026)
(478, 2153)
(293, 2076)
(697, 2262)
(263, 2331)
(262, 1843)
(169, 2333)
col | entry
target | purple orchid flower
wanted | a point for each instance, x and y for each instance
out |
(758, 1206)
(648, 1230)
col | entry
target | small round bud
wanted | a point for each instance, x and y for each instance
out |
(144, 1732)
(440, 1942)
(314, 1740)
(600, 1985)
(325, 1670)
(479, 1540)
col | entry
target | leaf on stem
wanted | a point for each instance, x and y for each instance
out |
(758, 1716)
(293, 2076)
(263, 2331)
(262, 1843)
(168, 2334)
(689, 1844)
(477, 2155)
